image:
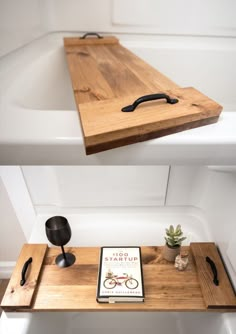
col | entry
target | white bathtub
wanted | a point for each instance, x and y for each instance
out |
(39, 123)
(118, 322)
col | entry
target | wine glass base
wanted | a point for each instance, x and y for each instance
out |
(65, 262)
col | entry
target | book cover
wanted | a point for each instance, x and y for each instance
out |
(120, 277)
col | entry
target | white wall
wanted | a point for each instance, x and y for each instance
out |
(186, 184)
(11, 236)
(218, 201)
(96, 186)
(183, 17)
(20, 23)
(213, 191)
(17, 216)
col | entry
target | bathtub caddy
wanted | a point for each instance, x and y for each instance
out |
(112, 87)
(50, 288)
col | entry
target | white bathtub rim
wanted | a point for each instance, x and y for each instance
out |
(64, 126)
(179, 322)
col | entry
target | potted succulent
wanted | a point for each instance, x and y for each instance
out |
(174, 238)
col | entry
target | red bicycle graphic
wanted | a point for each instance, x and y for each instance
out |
(113, 280)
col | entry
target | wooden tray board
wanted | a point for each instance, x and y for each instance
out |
(106, 77)
(17, 296)
(108, 127)
(74, 288)
(221, 296)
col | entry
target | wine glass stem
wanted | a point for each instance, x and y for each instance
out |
(63, 252)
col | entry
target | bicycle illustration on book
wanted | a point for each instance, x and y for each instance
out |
(111, 281)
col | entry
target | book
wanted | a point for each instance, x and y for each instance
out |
(120, 277)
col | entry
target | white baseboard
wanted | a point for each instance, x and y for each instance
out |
(6, 268)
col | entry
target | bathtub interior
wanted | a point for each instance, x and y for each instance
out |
(131, 225)
(45, 84)
(208, 68)
(114, 322)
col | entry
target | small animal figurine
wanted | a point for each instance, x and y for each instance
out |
(181, 262)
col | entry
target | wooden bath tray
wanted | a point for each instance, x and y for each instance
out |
(106, 77)
(74, 288)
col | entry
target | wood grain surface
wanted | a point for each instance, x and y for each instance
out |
(73, 42)
(3, 286)
(150, 120)
(21, 296)
(74, 288)
(106, 77)
(221, 296)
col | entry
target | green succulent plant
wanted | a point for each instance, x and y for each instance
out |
(174, 236)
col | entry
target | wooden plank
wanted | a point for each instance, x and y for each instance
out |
(149, 120)
(153, 78)
(73, 42)
(97, 75)
(117, 73)
(107, 77)
(88, 82)
(3, 285)
(221, 296)
(83, 255)
(75, 289)
(112, 69)
(21, 296)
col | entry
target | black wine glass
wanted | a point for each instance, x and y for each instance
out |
(59, 233)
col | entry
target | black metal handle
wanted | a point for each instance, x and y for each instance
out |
(214, 270)
(91, 34)
(147, 98)
(24, 270)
